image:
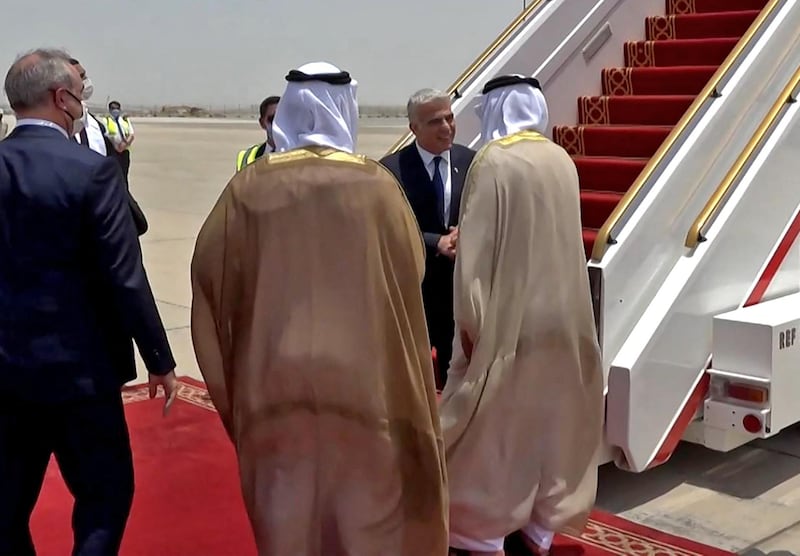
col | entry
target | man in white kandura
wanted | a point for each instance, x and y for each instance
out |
(522, 410)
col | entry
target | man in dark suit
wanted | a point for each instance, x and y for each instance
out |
(73, 295)
(431, 171)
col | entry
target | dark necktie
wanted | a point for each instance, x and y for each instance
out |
(84, 138)
(438, 186)
(121, 131)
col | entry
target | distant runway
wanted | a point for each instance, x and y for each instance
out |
(366, 126)
(372, 122)
(375, 135)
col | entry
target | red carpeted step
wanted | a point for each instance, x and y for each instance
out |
(699, 26)
(678, 52)
(711, 6)
(596, 207)
(678, 80)
(633, 109)
(618, 132)
(608, 173)
(605, 140)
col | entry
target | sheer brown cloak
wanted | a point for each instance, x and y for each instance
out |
(309, 330)
(522, 418)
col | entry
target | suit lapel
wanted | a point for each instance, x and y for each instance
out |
(458, 173)
(422, 177)
(418, 166)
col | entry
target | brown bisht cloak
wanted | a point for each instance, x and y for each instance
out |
(309, 330)
(522, 417)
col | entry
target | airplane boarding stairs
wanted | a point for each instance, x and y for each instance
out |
(619, 131)
(741, 251)
(679, 100)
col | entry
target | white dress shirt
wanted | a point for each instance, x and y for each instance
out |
(444, 172)
(95, 135)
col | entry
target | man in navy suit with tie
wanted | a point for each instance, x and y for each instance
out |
(431, 171)
(73, 296)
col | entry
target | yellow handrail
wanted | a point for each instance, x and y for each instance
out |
(480, 60)
(715, 202)
(604, 235)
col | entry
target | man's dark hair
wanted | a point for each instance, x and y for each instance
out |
(114, 104)
(266, 103)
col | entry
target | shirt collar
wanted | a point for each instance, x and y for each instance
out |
(41, 123)
(427, 157)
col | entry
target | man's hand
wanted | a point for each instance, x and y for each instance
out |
(170, 385)
(454, 236)
(447, 244)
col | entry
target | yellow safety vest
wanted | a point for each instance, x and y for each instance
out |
(111, 126)
(248, 156)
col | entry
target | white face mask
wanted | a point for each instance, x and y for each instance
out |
(88, 89)
(80, 124)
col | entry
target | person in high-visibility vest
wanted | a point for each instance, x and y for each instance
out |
(119, 131)
(266, 116)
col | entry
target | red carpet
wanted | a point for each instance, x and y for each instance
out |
(618, 132)
(187, 498)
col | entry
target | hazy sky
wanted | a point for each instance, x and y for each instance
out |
(229, 52)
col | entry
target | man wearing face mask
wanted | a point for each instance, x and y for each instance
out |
(119, 131)
(93, 134)
(73, 297)
(266, 116)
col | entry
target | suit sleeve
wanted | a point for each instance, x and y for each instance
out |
(432, 241)
(119, 260)
(392, 163)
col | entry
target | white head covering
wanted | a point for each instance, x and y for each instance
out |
(317, 113)
(505, 110)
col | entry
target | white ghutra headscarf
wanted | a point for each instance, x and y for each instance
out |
(510, 104)
(317, 112)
